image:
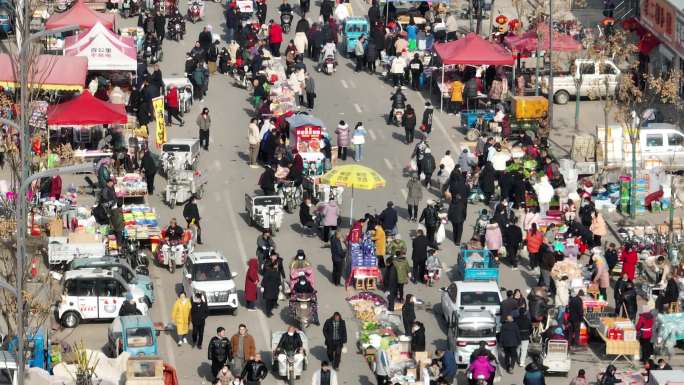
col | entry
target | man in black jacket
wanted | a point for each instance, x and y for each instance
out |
(220, 351)
(254, 371)
(510, 340)
(429, 216)
(335, 333)
(129, 307)
(267, 180)
(525, 327)
(512, 237)
(290, 342)
(389, 218)
(192, 216)
(576, 314)
(149, 168)
(198, 315)
(338, 258)
(419, 255)
(326, 9)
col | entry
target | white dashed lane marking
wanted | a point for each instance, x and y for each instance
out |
(388, 164)
(357, 107)
(344, 83)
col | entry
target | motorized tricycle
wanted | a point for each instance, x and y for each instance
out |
(265, 212)
(303, 306)
(184, 87)
(135, 334)
(291, 194)
(174, 253)
(354, 27)
(182, 185)
(180, 154)
(195, 11)
(294, 366)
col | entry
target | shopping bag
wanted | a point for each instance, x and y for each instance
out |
(413, 165)
(440, 234)
(422, 176)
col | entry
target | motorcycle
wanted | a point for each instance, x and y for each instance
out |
(128, 8)
(286, 21)
(398, 116)
(176, 30)
(172, 254)
(137, 257)
(303, 309)
(195, 12)
(329, 65)
(292, 196)
(152, 57)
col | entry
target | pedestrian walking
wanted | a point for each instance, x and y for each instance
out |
(335, 334)
(548, 259)
(243, 348)
(253, 138)
(359, 51)
(512, 237)
(338, 257)
(419, 255)
(575, 317)
(198, 316)
(254, 371)
(534, 375)
(192, 217)
(427, 166)
(325, 375)
(149, 168)
(204, 124)
(426, 124)
(331, 214)
(275, 37)
(251, 283)
(270, 288)
(416, 67)
(398, 276)
(457, 212)
(534, 240)
(510, 340)
(198, 81)
(431, 220)
(172, 106)
(358, 140)
(220, 351)
(409, 124)
(644, 328)
(408, 313)
(602, 275)
(310, 90)
(342, 132)
(525, 327)
(413, 196)
(417, 337)
(180, 316)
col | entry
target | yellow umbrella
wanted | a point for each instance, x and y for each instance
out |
(353, 176)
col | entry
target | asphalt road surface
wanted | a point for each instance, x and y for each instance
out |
(345, 95)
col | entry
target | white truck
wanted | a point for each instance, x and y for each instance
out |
(592, 74)
(659, 144)
(63, 250)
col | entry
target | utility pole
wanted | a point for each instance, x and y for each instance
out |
(550, 54)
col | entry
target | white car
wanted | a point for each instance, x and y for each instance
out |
(95, 294)
(208, 272)
(471, 295)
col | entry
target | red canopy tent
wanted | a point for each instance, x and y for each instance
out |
(81, 15)
(538, 38)
(86, 110)
(62, 73)
(473, 49)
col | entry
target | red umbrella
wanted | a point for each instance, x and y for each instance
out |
(529, 41)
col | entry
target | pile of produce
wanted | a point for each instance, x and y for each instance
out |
(364, 304)
(566, 268)
(376, 335)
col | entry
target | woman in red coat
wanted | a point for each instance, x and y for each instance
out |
(629, 260)
(251, 283)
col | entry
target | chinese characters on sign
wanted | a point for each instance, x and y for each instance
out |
(103, 52)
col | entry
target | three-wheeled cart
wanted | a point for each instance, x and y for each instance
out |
(477, 265)
(265, 212)
(556, 358)
(182, 185)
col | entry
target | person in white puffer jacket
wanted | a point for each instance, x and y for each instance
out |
(545, 193)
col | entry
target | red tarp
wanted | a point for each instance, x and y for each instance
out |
(51, 73)
(86, 110)
(528, 41)
(81, 15)
(474, 50)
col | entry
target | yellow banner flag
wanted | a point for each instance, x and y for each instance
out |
(160, 122)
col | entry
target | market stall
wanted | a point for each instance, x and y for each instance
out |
(80, 14)
(306, 133)
(470, 50)
(619, 337)
(130, 186)
(141, 224)
(50, 72)
(364, 272)
(104, 50)
(80, 122)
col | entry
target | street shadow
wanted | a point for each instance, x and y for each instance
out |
(204, 371)
(304, 231)
(243, 156)
(399, 137)
(437, 311)
(402, 212)
(325, 272)
(364, 380)
(530, 280)
(285, 316)
(249, 111)
(319, 353)
(241, 297)
(244, 217)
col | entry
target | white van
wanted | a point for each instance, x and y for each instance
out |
(95, 294)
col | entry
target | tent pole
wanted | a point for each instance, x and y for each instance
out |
(351, 210)
(441, 97)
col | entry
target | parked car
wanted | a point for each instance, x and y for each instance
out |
(208, 272)
(95, 294)
(121, 267)
(592, 74)
(462, 296)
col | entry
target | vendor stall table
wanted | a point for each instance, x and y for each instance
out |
(141, 224)
(130, 186)
(365, 278)
(619, 336)
(91, 155)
